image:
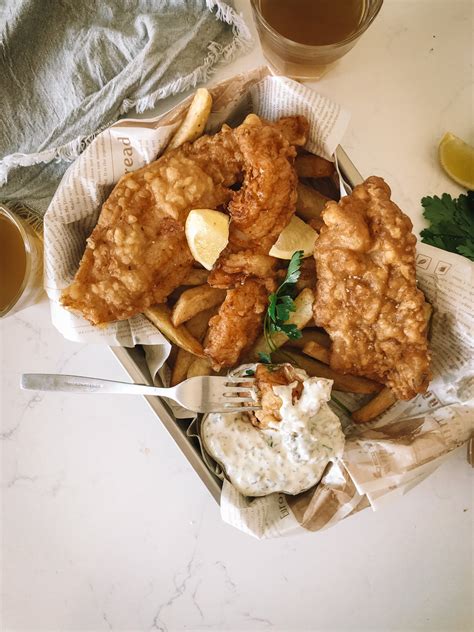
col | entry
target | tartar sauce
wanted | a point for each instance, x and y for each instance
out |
(291, 455)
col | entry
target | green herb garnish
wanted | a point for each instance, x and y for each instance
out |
(264, 357)
(249, 373)
(451, 223)
(280, 305)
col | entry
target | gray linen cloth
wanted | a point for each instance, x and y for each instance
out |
(69, 68)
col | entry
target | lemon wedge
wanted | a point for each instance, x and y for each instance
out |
(207, 233)
(457, 159)
(298, 235)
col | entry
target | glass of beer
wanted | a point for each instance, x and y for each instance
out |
(303, 38)
(21, 263)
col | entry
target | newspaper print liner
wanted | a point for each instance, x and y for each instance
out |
(385, 457)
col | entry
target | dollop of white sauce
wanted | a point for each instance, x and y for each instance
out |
(288, 457)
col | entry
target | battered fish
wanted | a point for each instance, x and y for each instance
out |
(259, 211)
(237, 324)
(234, 268)
(266, 202)
(366, 293)
(265, 379)
(138, 254)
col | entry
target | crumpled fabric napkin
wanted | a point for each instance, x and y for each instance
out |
(70, 68)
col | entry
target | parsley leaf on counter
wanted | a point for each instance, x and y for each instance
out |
(451, 223)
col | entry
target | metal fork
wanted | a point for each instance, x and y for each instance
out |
(207, 394)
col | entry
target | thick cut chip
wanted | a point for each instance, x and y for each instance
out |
(160, 316)
(195, 121)
(195, 300)
(237, 324)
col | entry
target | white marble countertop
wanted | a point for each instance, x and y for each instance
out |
(106, 526)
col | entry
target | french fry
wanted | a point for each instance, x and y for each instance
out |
(309, 203)
(251, 119)
(199, 367)
(311, 166)
(198, 325)
(160, 316)
(314, 368)
(300, 317)
(197, 276)
(375, 407)
(196, 300)
(317, 351)
(172, 356)
(309, 335)
(183, 361)
(329, 187)
(195, 121)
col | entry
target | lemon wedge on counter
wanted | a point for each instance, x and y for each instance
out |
(207, 233)
(298, 235)
(457, 159)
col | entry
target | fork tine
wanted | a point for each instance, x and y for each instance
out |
(233, 379)
(242, 409)
(249, 392)
(217, 394)
(238, 400)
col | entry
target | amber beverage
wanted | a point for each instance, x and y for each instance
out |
(21, 263)
(303, 38)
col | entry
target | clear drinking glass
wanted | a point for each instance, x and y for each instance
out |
(27, 287)
(302, 61)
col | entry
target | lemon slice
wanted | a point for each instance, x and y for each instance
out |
(457, 159)
(298, 235)
(207, 232)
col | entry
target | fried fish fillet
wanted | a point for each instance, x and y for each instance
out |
(259, 211)
(237, 324)
(366, 293)
(138, 254)
(265, 379)
(265, 203)
(234, 268)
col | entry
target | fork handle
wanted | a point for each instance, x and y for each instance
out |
(80, 384)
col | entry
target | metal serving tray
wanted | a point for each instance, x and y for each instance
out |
(133, 361)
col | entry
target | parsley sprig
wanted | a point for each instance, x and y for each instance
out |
(280, 306)
(451, 223)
